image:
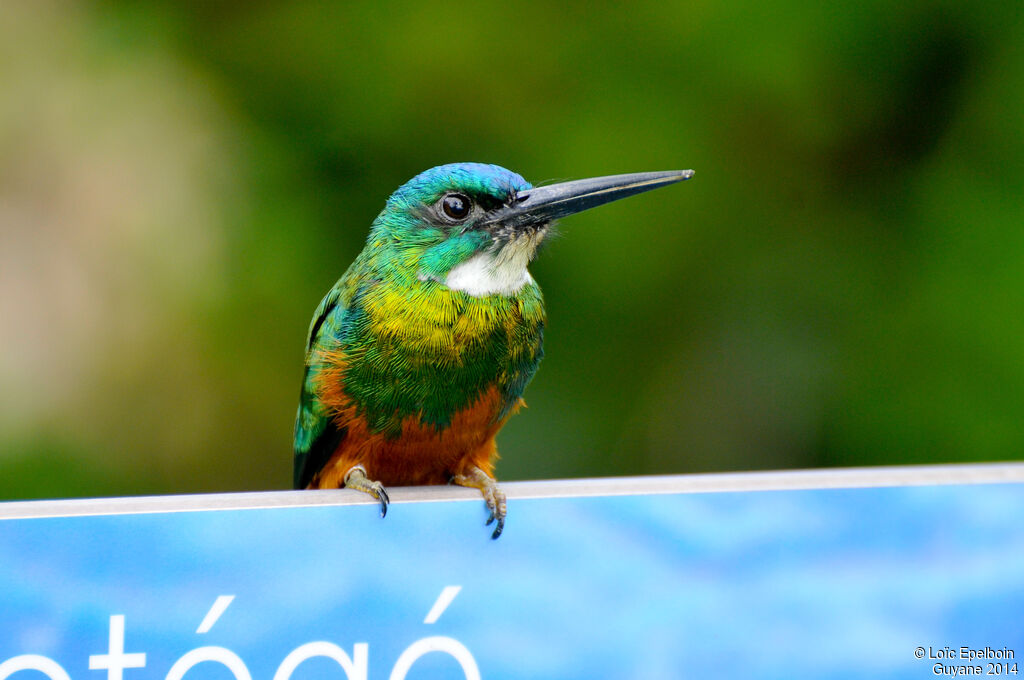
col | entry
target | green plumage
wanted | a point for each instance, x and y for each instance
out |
(424, 347)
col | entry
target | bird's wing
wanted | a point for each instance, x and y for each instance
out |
(316, 435)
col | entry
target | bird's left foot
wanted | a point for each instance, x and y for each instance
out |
(356, 479)
(493, 496)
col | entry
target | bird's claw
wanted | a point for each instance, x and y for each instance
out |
(493, 496)
(498, 528)
(356, 479)
(496, 504)
(382, 496)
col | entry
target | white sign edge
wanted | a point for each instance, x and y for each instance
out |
(773, 480)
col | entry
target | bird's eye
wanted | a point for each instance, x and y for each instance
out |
(456, 206)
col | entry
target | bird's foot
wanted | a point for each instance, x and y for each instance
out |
(493, 496)
(356, 479)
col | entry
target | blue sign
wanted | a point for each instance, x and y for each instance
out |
(902, 582)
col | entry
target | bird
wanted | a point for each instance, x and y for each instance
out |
(422, 350)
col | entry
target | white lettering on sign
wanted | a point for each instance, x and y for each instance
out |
(116, 660)
(443, 600)
(33, 662)
(225, 657)
(447, 645)
(355, 668)
(218, 608)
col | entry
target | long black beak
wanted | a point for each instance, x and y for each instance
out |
(543, 204)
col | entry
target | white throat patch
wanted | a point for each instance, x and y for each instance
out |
(501, 272)
(489, 274)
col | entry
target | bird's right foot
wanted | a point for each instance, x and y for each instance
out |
(356, 479)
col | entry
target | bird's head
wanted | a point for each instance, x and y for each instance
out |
(475, 227)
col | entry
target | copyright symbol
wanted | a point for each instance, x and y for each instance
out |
(919, 652)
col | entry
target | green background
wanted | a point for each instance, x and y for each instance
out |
(842, 283)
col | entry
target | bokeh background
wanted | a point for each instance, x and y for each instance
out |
(841, 284)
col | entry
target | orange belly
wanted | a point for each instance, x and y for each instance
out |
(422, 454)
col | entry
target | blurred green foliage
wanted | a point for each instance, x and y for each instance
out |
(841, 283)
